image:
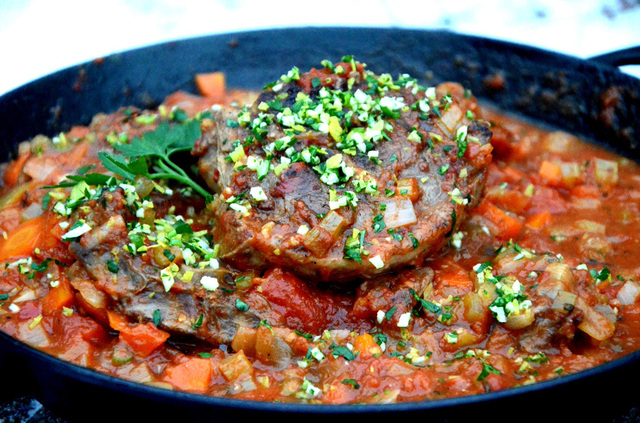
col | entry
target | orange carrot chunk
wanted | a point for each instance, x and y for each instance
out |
(508, 226)
(211, 84)
(193, 375)
(538, 220)
(551, 173)
(60, 296)
(143, 338)
(14, 169)
(22, 240)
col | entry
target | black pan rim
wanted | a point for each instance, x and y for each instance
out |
(231, 35)
(123, 386)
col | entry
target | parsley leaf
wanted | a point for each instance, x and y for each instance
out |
(486, 370)
(150, 155)
(342, 351)
(352, 382)
(157, 317)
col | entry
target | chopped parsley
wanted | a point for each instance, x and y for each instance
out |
(600, 276)
(487, 369)
(342, 351)
(112, 266)
(241, 305)
(378, 223)
(352, 383)
(157, 317)
(354, 247)
(356, 119)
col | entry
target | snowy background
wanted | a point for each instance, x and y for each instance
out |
(38, 37)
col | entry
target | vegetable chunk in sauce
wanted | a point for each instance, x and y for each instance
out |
(339, 238)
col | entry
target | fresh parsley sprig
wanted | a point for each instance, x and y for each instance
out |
(150, 155)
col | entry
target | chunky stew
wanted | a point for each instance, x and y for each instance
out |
(338, 237)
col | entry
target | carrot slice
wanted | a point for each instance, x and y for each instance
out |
(143, 338)
(193, 375)
(58, 297)
(550, 172)
(508, 226)
(457, 281)
(211, 84)
(538, 220)
(22, 240)
(14, 169)
(42, 232)
(366, 345)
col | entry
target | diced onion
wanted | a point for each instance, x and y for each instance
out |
(15, 195)
(404, 319)
(571, 173)
(399, 212)
(377, 262)
(594, 324)
(559, 142)
(521, 320)
(209, 283)
(564, 301)
(333, 222)
(35, 336)
(474, 310)
(33, 210)
(324, 235)
(607, 311)
(90, 293)
(272, 350)
(606, 171)
(26, 295)
(76, 232)
(140, 374)
(451, 117)
(628, 293)
(560, 278)
(591, 226)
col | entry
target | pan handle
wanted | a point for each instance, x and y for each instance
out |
(627, 56)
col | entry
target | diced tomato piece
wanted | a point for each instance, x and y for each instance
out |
(586, 191)
(41, 232)
(294, 301)
(236, 366)
(508, 199)
(325, 76)
(456, 282)
(78, 132)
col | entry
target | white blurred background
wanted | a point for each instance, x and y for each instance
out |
(38, 37)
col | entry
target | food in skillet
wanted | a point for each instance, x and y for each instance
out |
(116, 256)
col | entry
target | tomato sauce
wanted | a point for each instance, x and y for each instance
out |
(540, 281)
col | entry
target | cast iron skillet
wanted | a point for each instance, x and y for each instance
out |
(589, 98)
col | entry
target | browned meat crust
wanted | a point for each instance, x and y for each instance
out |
(338, 173)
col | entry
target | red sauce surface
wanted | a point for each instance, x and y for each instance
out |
(559, 215)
